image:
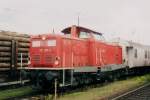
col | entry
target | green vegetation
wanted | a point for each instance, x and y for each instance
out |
(11, 93)
(86, 94)
(106, 91)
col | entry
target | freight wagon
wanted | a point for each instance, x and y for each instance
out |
(14, 54)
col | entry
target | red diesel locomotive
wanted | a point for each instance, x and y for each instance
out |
(80, 56)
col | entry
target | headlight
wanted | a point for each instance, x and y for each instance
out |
(57, 59)
(43, 38)
(56, 62)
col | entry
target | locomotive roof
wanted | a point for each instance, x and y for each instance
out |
(68, 29)
(127, 43)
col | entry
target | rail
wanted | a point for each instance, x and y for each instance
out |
(13, 83)
(134, 94)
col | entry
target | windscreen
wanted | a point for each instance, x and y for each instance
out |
(37, 43)
(51, 42)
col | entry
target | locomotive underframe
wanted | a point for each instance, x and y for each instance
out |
(44, 79)
(73, 77)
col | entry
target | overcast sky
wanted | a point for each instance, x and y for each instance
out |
(127, 19)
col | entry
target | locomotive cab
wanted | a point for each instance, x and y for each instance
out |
(82, 33)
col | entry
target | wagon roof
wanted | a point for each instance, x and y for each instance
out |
(68, 29)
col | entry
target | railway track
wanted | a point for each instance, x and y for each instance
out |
(13, 84)
(141, 93)
(40, 96)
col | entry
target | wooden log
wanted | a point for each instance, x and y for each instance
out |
(4, 69)
(23, 59)
(15, 34)
(23, 49)
(21, 44)
(21, 39)
(5, 48)
(23, 64)
(3, 59)
(24, 54)
(5, 54)
(5, 43)
(4, 65)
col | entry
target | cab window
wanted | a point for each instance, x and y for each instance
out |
(84, 35)
(98, 37)
(135, 53)
(67, 35)
(51, 42)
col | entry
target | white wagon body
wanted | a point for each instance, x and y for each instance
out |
(134, 54)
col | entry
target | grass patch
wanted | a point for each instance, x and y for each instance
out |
(11, 93)
(107, 90)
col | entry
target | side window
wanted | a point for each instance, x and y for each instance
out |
(145, 54)
(84, 35)
(148, 54)
(98, 37)
(135, 53)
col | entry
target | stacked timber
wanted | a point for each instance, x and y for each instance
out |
(12, 46)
